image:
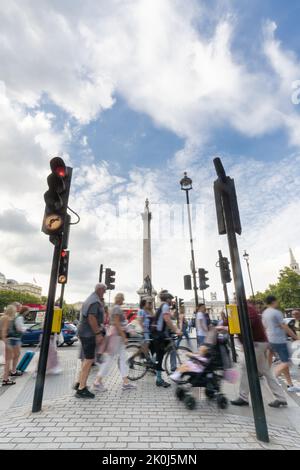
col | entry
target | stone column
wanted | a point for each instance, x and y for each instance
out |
(147, 265)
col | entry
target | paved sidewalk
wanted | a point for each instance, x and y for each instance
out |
(146, 418)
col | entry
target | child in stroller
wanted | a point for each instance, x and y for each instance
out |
(207, 368)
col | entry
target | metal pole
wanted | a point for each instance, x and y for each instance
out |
(248, 346)
(101, 273)
(249, 274)
(61, 299)
(192, 250)
(40, 379)
(232, 345)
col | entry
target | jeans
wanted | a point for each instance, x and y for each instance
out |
(200, 340)
(184, 334)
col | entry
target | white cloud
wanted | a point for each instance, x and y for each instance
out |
(79, 54)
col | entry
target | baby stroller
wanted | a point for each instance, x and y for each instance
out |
(218, 359)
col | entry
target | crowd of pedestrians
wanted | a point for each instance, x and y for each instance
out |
(270, 333)
(103, 335)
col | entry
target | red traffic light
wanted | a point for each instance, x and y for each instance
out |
(60, 171)
(58, 167)
(64, 253)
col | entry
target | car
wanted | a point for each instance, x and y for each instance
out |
(32, 335)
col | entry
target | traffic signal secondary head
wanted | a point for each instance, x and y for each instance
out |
(110, 278)
(225, 270)
(202, 279)
(63, 267)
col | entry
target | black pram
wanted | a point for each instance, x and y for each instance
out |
(218, 359)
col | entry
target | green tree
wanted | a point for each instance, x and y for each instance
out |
(7, 297)
(286, 290)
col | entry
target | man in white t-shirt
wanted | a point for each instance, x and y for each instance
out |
(201, 324)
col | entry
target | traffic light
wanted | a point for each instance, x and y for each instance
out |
(225, 270)
(181, 303)
(110, 278)
(57, 196)
(202, 279)
(187, 282)
(63, 267)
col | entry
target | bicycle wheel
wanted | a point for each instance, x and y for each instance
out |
(136, 360)
(175, 358)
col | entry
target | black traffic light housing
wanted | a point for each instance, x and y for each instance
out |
(202, 279)
(63, 267)
(110, 278)
(56, 198)
(187, 280)
(224, 269)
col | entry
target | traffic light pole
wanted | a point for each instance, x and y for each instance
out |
(62, 293)
(232, 345)
(192, 251)
(224, 192)
(42, 365)
(101, 273)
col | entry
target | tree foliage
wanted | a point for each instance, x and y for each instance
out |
(7, 297)
(286, 290)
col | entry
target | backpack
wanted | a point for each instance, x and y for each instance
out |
(154, 322)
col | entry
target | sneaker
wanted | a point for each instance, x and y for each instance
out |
(162, 383)
(277, 403)
(292, 388)
(175, 376)
(99, 387)
(84, 393)
(128, 386)
(239, 402)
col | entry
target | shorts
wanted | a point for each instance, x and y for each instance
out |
(88, 346)
(282, 350)
(13, 342)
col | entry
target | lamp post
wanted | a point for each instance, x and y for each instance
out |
(186, 185)
(246, 258)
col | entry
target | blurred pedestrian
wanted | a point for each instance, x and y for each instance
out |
(91, 333)
(260, 346)
(277, 332)
(296, 316)
(201, 324)
(183, 327)
(117, 341)
(12, 339)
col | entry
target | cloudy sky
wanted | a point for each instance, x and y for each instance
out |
(133, 93)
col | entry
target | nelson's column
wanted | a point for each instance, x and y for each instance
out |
(147, 289)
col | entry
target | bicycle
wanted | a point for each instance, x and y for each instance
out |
(140, 362)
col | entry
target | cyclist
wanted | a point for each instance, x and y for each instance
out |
(161, 329)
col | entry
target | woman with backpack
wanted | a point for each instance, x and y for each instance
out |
(11, 333)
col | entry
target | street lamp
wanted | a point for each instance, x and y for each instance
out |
(246, 258)
(186, 185)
